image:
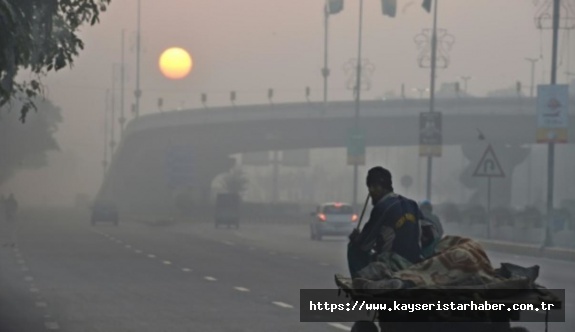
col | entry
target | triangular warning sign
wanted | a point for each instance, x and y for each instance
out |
(489, 165)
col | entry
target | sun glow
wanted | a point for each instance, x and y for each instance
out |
(175, 63)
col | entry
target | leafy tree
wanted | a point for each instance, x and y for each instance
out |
(39, 36)
(235, 181)
(26, 146)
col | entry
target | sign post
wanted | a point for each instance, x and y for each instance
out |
(430, 134)
(489, 167)
(356, 148)
(430, 142)
(552, 127)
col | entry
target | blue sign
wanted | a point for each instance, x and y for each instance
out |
(180, 166)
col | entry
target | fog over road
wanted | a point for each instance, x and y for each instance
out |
(64, 275)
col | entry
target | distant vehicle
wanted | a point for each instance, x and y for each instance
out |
(228, 210)
(103, 211)
(332, 219)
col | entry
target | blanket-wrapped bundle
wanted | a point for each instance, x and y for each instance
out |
(458, 262)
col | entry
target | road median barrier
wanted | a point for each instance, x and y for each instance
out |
(155, 221)
(529, 250)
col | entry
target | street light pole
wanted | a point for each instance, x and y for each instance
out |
(357, 99)
(533, 61)
(122, 87)
(138, 92)
(532, 95)
(105, 159)
(325, 70)
(113, 116)
(432, 93)
(551, 148)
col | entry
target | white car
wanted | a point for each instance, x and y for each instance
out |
(332, 218)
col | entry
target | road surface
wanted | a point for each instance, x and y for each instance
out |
(64, 275)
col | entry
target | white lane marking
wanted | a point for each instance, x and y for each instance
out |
(185, 269)
(34, 290)
(228, 243)
(28, 278)
(138, 251)
(241, 289)
(52, 325)
(167, 262)
(21, 262)
(128, 246)
(282, 304)
(152, 256)
(41, 304)
(119, 242)
(340, 326)
(208, 278)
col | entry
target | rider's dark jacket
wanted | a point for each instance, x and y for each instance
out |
(393, 226)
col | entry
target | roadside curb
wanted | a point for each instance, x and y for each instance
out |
(151, 221)
(529, 250)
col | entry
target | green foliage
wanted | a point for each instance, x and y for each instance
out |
(39, 36)
(25, 146)
(235, 181)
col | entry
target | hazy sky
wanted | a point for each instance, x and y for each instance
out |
(252, 45)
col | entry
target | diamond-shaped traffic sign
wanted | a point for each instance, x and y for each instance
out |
(489, 165)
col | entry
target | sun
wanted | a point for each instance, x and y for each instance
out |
(175, 63)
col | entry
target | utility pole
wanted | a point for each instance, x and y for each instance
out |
(331, 7)
(105, 159)
(432, 92)
(533, 61)
(122, 119)
(551, 146)
(325, 70)
(138, 92)
(113, 116)
(357, 99)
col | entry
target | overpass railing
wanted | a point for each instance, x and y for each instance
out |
(339, 109)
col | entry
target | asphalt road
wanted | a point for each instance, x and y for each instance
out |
(63, 275)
